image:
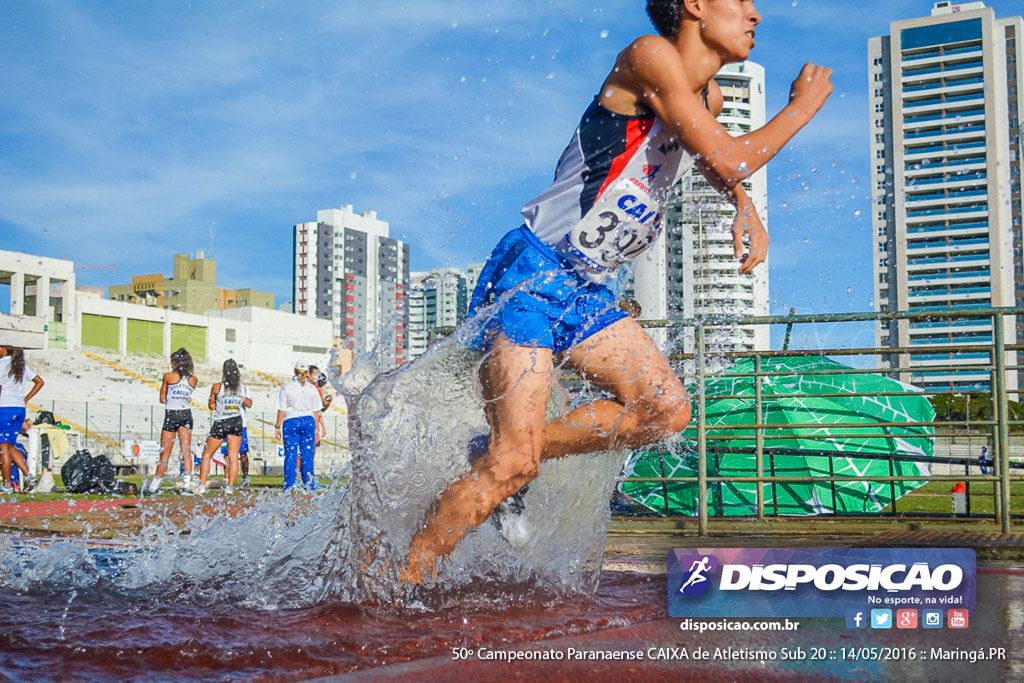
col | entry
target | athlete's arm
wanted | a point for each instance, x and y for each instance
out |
(746, 223)
(277, 425)
(655, 72)
(37, 381)
(163, 388)
(214, 390)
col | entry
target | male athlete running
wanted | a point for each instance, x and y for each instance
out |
(651, 123)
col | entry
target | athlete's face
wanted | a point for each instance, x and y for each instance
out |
(728, 27)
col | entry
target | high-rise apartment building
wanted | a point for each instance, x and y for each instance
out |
(691, 270)
(349, 271)
(438, 299)
(946, 169)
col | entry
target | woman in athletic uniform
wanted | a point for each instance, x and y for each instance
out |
(228, 401)
(15, 376)
(544, 287)
(176, 395)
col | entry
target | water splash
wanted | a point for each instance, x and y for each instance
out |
(409, 431)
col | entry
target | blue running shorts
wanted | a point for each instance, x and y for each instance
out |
(541, 299)
(10, 424)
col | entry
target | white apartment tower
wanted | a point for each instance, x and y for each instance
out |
(946, 168)
(691, 271)
(437, 299)
(347, 270)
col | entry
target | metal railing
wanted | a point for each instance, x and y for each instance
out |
(895, 362)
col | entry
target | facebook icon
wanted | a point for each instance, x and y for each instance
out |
(855, 618)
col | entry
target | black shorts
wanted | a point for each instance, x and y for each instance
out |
(222, 429)
(177, 419)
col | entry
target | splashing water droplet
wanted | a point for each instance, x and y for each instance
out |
(604, 33)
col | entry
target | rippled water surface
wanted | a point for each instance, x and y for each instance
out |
(97, 634)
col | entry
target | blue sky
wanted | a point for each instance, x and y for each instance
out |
(130, 130)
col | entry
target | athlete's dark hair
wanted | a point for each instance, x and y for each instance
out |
(665, 15)
(17, 369)
(232, 378)
(181, 361)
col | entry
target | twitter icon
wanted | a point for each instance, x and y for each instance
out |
(881, 618)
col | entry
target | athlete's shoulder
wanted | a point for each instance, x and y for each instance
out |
(650, 49)
(171, 378)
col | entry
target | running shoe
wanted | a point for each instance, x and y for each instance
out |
(510, 520)
(477, 447)
(29, 484)
(228, 490)
(6, 489)
(245, 482)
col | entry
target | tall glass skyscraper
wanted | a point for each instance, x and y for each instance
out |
(946, 168)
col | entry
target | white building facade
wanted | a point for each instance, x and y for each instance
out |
(437, 299)
(691, 270)
(946, 168)
(348, 270)
(41, 288)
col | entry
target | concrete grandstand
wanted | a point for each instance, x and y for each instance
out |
(113, 398)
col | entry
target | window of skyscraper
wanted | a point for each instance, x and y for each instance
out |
(939, 34)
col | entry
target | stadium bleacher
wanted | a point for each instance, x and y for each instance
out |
(116, 397)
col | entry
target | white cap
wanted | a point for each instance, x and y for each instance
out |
(301, 365)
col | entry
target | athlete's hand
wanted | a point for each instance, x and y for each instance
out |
(811, 88)
(747, 224)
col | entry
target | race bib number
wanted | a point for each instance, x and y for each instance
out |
(620, 226)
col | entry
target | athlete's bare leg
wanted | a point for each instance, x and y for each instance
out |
(621, 359)
(185, 440)
(516, 381)
(650, 400)
(212, 445)
(166, 444)
(234, 445)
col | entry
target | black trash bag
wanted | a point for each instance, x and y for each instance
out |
(86, 473)
(44, 417)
